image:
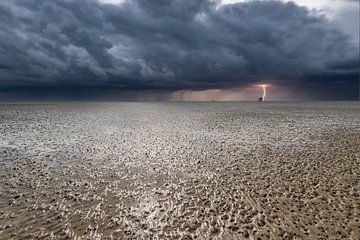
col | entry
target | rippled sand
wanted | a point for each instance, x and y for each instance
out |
(180, 171)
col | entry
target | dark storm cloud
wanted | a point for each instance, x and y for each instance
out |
(166, 44)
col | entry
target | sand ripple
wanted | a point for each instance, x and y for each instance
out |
(180, 171)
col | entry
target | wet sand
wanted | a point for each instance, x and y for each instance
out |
(180, 171)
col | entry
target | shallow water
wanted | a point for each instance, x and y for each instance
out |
(180, 170)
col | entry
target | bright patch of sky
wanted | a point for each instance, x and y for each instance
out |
(111, 1)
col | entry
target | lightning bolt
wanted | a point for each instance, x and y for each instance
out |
(264, 91)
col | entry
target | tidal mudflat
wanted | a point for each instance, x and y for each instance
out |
(180, 171)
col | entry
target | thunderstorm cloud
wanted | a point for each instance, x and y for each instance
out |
(170, 44)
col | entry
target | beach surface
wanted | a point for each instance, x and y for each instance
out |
(219, 170)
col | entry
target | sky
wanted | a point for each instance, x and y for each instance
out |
(179, 49)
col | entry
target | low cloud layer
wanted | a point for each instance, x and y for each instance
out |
(169, 44)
